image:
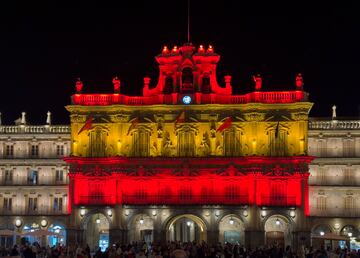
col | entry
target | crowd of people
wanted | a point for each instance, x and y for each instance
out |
(172, 250)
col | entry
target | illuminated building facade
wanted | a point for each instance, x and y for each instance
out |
(188, 160)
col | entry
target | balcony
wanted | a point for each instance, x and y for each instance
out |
(335, 212)
(278, 200)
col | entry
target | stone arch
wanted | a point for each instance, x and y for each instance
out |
(140, 228)
(96, 226)
(185, 228)
(321, 227)
(278, 228)
(350, 231)
(231, 229)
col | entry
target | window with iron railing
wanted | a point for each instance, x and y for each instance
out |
(34, 151)
(60, 150)
(32, 204)
(58, 204)
(7, 204)
(9, 153)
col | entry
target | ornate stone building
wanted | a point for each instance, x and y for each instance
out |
(186, 161)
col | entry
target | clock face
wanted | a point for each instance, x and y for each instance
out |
(186, 100)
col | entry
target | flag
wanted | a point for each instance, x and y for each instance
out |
(134, 123)
(277, 130)
(87, 126)
(180, 118)
(226, 124)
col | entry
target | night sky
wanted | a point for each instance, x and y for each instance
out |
(45, 48)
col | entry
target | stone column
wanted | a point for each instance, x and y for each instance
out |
(75, 236)
(212, 236)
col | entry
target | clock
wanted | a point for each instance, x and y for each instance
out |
(186, 100)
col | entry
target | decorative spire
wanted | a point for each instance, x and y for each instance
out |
(146, 82)
(258, 82)
(79, 86)
(299, 82)
(227, 81)
(48, 118)
(334, 112)
(23, 118)
(116, 83)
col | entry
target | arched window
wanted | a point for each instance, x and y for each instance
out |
(231, 142)
(97, 142)
(168, 89)
(278, 140)
(205, 88)
(187, 80)
(186, 140)
(140, 143)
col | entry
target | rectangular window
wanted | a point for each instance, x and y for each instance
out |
(58, 203)
(35, 150)
(321, 203)
(7, 204)
(348, 148)
(8, 176)
(349, 203)
(33, 177)
(60, 150)
(32, 204)
(9, 151)
(59, 176)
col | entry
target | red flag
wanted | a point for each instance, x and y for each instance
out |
(87, 126)
(180, 118)
(134, 123)
(226, 124)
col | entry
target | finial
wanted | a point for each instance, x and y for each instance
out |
(23, 118)
(334, 112)
(299, 82)
(165, 50)
(174, 50)
(48, 118)
(258, 82)
(79, 86)
(116, 83)
(210, 49)
(146, 82)
(227, 80)
(201, 49)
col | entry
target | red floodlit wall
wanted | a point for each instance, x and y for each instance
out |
(246, 181)
(187, 190)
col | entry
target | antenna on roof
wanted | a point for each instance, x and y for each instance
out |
(188, 23)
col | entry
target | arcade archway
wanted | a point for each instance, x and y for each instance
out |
(96, 231)
(231, 230)
(141, 228)
(186, 228)
(277, 231)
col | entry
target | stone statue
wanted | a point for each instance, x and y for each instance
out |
(258, 81)
(79, 86)
(116, 83)
(299, 82)
(48, 118)
(334, 112)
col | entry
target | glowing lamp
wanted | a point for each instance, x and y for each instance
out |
(292, 214)
(188, 223)
(127, 212)
(263, 213)
(277, 222)
(231, 221)
(109, 212)
(336, 225)
(245, 213)
(141, 221)
(43, 222)
(217, 213)
(154, 212)
(322, 233)
(97, 221)
(350, 234)
(82, 212)
(18, 223)
(57, 231)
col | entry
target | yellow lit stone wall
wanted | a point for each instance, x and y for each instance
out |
(257, 129)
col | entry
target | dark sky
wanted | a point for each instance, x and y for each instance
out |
(45, 48)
